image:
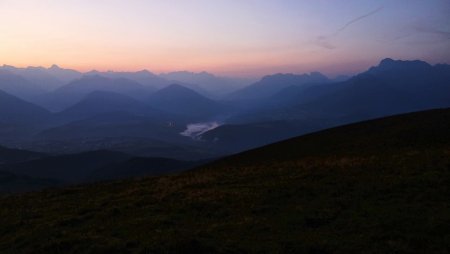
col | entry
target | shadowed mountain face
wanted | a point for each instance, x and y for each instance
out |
(417, 130)
(100, 102)
(15, 110)
(115, 124)
(377, 185)
(40, 77)
(13, 183)
(65, 75)
(390, 88)
(144, 77)
(15, 155)
(186, 102)
(428, 85)
(87, 167)
(18, 86)
(140, 167)
(270, 85)
(207, 82)
(76, 90)
(234, 138)
(66, 168)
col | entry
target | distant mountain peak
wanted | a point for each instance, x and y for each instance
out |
(317, 76)
(389, 63)
(39, 68)
(185, 74)
(184, 101)
(145, 71)
(272, 84)
(92, 72)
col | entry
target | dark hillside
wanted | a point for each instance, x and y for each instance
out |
(8, 155)
(406, 132)
(380, 186)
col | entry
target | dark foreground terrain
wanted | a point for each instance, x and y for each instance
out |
(380, 186)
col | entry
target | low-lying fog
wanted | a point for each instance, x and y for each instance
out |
(195, 130)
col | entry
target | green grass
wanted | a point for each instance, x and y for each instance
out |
(381, 186)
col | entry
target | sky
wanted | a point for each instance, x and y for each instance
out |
(227, 37)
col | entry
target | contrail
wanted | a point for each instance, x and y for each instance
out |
(324, 41)
(356, 20)
(418, 29)
(430, 30)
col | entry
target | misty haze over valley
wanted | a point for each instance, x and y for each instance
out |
(141, 114)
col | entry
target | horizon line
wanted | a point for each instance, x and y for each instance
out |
(88, 70)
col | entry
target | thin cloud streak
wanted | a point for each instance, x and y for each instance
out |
(419, 32)
(431, 30)
(324, 41)
(357, 19)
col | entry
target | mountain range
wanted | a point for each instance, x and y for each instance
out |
(33, 83)
(270, 85)
(99, 107)
(207, 83)
(180, 100)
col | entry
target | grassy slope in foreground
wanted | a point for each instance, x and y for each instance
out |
(380, 186)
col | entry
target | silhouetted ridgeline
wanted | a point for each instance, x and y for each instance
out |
(143, 114)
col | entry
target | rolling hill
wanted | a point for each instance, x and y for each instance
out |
(116, 124)
(100, 102)
(13, 183)
(71, 168)
(272, 84)
(18, 86)
(234, 138)
(207, 82)
(15, 110)
(181, 100)
(379, 186)
(144, 77)
(27, 171)
(76, 90)
(38, 78)
(8, 155)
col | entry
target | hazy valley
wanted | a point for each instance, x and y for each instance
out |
(114, 113)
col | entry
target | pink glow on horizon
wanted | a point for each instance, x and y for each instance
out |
(231, 38)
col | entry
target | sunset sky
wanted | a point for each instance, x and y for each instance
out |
(227, 37)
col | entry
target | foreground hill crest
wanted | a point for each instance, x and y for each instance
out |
(342, 190)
